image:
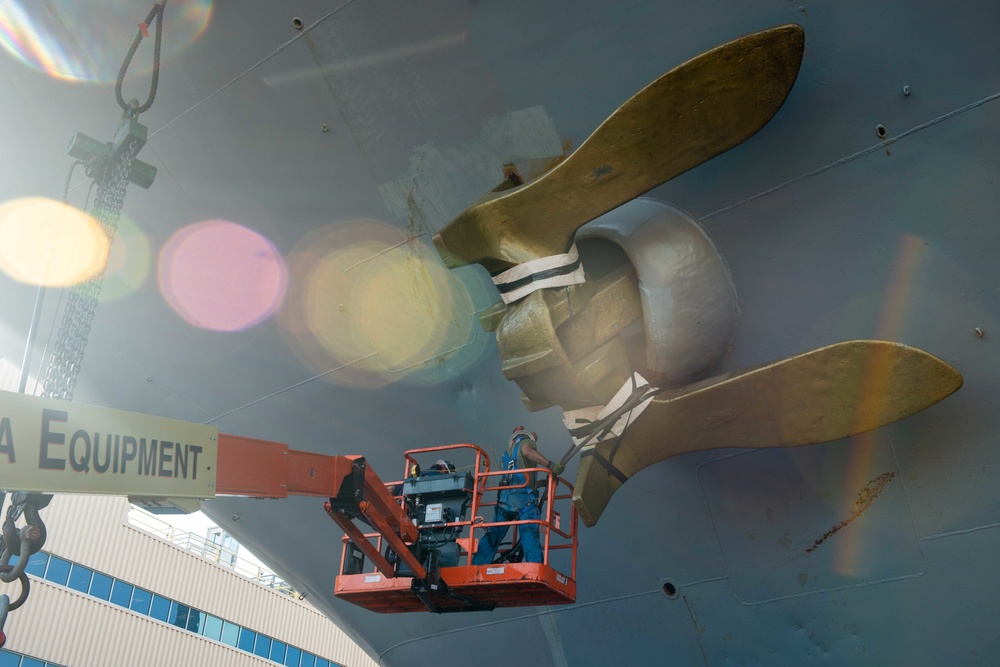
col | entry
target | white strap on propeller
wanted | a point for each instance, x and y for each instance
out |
(579, 422)
(553, 271)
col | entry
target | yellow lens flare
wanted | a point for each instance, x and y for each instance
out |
(408, 306)
(47, 242)
(331, 303)
(372, 306)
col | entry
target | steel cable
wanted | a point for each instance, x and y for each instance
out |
(157, 13)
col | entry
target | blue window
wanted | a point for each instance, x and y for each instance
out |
(247, 638)
(277, 651)
(140, 601)
(100, 586)
(103, 587)
(121, 593)
(79, 578)
(263, 647)
(194, 620)
(36, 566)
(159, 608)
(58, 570)
(178, 615)
(212, 627)
(230, 633)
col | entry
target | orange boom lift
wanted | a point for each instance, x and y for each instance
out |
(418, 554)
(414, 552)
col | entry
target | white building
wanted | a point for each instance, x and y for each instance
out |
(106, 593)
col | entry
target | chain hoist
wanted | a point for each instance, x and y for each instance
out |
(112, 166)
(81, 302)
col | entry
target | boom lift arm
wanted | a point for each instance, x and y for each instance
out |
(49, 445)
(263, 469)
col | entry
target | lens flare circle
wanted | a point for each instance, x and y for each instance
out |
(129, 261)
(374, 304)
(221, 276)
(47, 242)
(87, 41)
(405, 306)
(330, 302)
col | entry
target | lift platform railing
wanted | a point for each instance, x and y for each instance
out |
(375, 540)
(480, 467)
(558, 513)
(555, 499)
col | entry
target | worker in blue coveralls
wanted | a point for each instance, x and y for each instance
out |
(519, 503)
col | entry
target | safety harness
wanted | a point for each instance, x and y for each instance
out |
(511, 461)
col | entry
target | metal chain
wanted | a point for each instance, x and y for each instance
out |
(23, 543)
(74, 329)
(60, 380)
(81, 303)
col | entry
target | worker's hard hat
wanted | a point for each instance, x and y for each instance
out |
(443, 466)
(520, 434)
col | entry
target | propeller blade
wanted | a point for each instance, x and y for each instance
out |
(830, 393)
(692, 113)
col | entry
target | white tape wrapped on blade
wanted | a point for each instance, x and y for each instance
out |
(553, 271)
(576, 419)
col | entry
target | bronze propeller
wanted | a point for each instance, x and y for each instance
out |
(573, 346)
(692, 113)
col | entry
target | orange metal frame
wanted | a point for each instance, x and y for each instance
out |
(264, 469)
(503, 585)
